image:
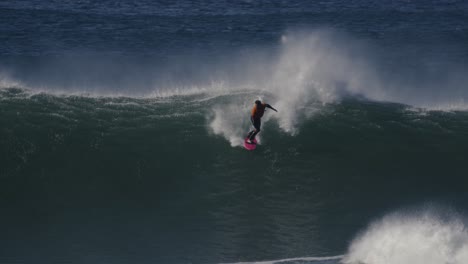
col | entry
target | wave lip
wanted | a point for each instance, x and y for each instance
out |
(411, 239)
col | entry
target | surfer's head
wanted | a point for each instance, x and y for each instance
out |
(258, 102)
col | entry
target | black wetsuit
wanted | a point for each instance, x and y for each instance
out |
(256, 122)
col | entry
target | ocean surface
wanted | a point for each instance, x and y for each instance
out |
(122, 124)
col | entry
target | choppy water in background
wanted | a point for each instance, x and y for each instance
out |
(121, 126)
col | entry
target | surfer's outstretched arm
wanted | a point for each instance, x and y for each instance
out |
(271, 107)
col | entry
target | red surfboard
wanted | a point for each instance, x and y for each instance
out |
(250, 146)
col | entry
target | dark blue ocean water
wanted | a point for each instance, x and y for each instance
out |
(121, 128)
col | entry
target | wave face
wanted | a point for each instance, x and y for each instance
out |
(153, 170)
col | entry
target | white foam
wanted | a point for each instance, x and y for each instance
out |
(212, 89)
(315, 67)
(231, 122)
(8, 82)
(419, 238)
(312, 259)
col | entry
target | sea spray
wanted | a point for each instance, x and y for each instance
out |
(230, 121)
(322, 65)
(419, 238)
(311, 64)
(308, 67)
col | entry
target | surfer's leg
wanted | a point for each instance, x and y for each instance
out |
(251, 131)
(252, 137)
(257, 124)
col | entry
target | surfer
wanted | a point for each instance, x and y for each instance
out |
(255, 118)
